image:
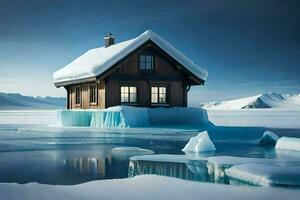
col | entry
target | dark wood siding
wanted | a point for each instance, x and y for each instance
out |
(166, 73)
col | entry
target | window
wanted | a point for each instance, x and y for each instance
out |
(77, 95)
(93, 94)
(128, 94)
(146, 62)
(159, 95)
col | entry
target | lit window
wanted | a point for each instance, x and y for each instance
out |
(77, 95)
(128, 94)
(146, 62)
(159, 95)
(93, 94)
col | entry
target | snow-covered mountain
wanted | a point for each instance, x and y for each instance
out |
(265, 100)
(17, 101)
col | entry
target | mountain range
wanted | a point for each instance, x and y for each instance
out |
(265, 100)
(16, 101)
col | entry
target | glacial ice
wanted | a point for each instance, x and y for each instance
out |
(179, 166)
(265, 175)
(123, 153)
(268, 139)
(199, 143)
(288, 143)
(127, 116)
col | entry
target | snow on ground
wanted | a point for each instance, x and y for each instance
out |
(265, 100)
(266, 175)
(143, 187)
(271, 118)
(43, 117)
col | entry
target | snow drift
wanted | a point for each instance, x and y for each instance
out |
(127, 116)
(199, 143)
(265, 100)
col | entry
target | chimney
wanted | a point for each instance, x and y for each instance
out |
(109, 40)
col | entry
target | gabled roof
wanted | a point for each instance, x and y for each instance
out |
(96, 61)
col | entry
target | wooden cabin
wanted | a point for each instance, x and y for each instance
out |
(146, 71)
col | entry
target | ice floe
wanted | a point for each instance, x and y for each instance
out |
(123, 153)
(265, 175)
(199, 143)
(268, 139)
(288, 143)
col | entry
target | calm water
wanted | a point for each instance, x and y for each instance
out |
(72, 156)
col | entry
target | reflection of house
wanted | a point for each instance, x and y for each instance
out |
(93, 166)
(146, 71)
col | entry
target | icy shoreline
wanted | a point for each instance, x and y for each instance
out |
(143, 187)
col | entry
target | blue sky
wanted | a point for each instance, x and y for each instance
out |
(248, 47)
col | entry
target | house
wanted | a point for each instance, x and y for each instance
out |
(145, 71)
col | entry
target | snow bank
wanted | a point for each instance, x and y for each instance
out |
(265, 175)
(288, 143)
(96, 61)
(143, 187)
(269, 138)
(199, 143)
(127, 116)
(123, 153)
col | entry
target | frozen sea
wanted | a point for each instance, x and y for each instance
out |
(31, 150)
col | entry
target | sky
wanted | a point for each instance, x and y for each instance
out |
(247, 46)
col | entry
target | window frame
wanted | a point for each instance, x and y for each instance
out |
(129, 85)
(78, 103)
(167, 95)
(95, 93)
(145, 70)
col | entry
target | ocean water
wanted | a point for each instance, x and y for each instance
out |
(68, 156)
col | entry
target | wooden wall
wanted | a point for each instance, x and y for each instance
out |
(130, 68)
(85, 95)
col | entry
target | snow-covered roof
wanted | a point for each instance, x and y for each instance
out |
(96, 61)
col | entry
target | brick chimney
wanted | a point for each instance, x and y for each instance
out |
(109, 40)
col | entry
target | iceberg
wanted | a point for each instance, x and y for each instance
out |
(265, 175)
(123, 153)
(288, 143)
(268, 139)
(199, 143)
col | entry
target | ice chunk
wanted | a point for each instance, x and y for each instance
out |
(216, 165)
(124, 153)
(179, 166)
(269, 138)
(265, 175)
(288, 143)
(199, 143)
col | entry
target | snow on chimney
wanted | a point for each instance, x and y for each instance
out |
(109, 40)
